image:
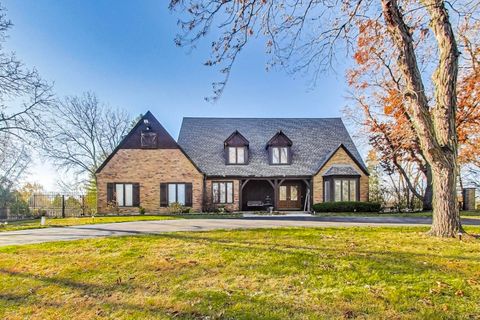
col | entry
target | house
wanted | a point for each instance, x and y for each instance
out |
(234, 163)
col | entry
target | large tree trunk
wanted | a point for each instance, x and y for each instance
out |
(445, 224)
(435, 128)
(428, 195)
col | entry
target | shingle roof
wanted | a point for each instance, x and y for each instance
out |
(314, 141)
(341, 170)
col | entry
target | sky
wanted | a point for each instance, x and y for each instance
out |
(124, 51)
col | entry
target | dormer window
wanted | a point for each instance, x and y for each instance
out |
(279, 149)
(236, 155)
(236, 149)
(280, 155)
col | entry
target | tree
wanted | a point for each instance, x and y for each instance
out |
(378, 91)
(29, 189)
(24, 99)
(374, 180)
(83, 132)
(306, 35)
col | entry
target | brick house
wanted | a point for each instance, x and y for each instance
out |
(235, 163)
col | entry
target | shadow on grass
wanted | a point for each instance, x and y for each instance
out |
(101, 293)
(385, 258)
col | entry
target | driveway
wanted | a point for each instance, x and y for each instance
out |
(160, 226)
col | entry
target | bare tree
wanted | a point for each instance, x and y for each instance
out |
(14, 160)
(83, 132)
(308, 35)
(24, 96)
(24, 100)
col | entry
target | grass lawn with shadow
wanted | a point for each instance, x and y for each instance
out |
(64, 222)
(293, 273)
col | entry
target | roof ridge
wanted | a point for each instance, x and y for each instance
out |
(266, 118)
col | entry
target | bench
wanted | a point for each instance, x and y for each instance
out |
(258, 204)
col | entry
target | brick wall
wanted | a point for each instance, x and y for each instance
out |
(236, 195)
(340, 157)
(149, 168)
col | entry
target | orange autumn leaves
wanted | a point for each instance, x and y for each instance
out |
(378, 88)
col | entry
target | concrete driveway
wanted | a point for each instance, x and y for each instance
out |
(153, 227)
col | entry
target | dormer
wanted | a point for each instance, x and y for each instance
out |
(236, 149)
(279, 149)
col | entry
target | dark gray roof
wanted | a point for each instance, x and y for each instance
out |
(341, 170)
(314, 141)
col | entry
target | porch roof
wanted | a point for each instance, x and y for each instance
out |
(341, 170)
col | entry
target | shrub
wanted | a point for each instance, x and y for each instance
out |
(187, 210)
(347, 206)
(175, 207)
(20, 207)
(141, 210)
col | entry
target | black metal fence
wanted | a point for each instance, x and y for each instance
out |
(50, 204)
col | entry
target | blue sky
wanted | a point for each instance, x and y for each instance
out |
(126, 54)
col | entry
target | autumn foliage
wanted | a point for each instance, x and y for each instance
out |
(377, 89)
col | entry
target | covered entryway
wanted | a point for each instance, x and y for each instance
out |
(281, 194)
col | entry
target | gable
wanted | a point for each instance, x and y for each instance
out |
(236, 139)
(279, 140)
(341, 161)
(148, 125)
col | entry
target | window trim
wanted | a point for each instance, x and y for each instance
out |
(176, 192)
(280, 163)
(189, 198)
(124, 192)
(226, 196)
(245, 155)
(331, 183)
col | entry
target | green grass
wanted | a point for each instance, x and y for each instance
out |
(334, 273)
(475, 214)
(63, 222)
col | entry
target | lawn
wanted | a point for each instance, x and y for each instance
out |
(381, 273)
(475, 214)
(63, 222)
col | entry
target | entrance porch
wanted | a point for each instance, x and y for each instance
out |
(280, 193)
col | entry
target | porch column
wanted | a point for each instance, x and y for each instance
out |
(308, 205)
(275, 192)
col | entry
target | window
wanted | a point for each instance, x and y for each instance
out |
(280, 155)
(124, 194)
(175, 193)
(236, 155)
(222, 192)
(326, 185)
(293, 193)
(283, 193)
(340, 189)
(353, 190)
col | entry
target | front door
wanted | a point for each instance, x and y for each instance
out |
(289, 197)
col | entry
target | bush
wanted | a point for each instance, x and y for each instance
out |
(347, 206)
(187, 210)
(176, 207)
(141, 210)
(20, 207)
